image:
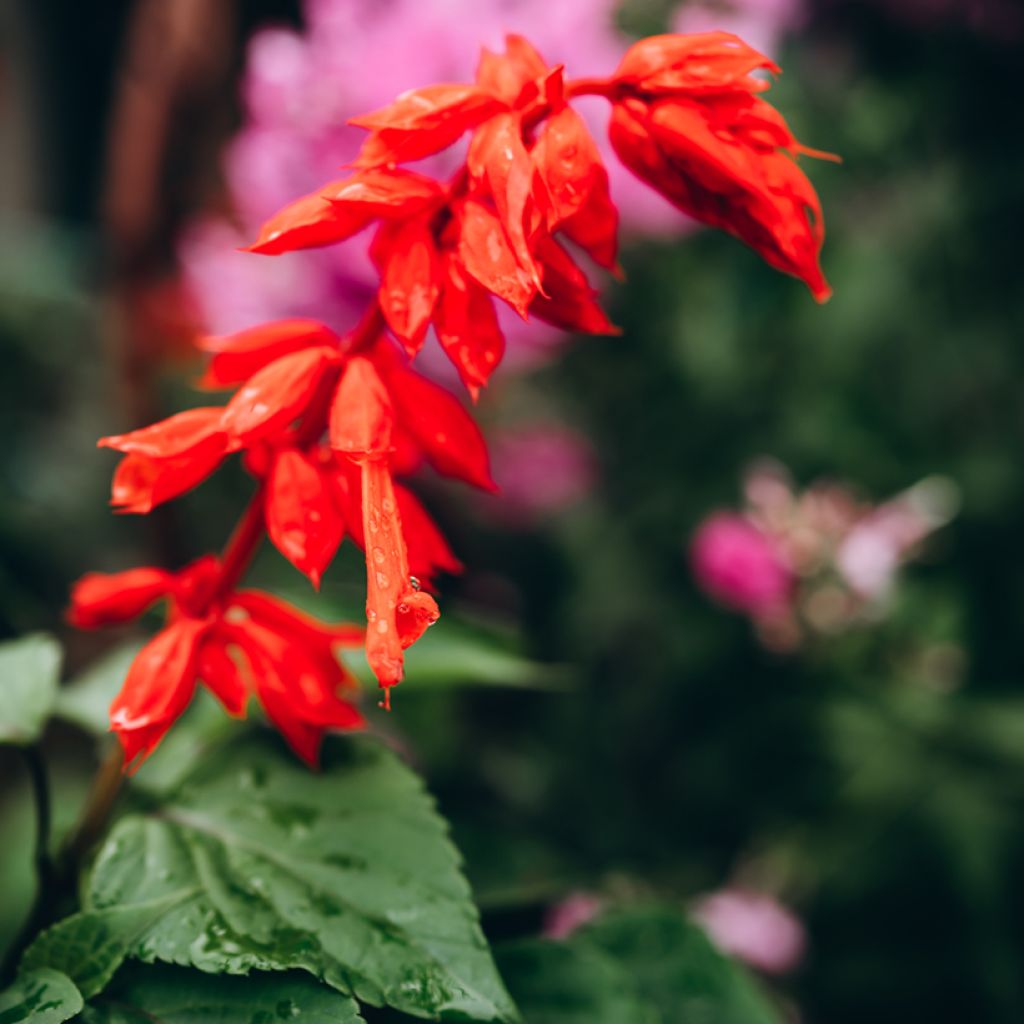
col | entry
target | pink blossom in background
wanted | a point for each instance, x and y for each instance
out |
(354, 56)
(754, 927)
(739, 565)
(575, 911)
(541, 468)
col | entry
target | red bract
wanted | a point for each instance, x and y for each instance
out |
(686, 121)
(327, 422)
(236, 645)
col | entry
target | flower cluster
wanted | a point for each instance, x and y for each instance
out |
(815, 562)
(300, 87)
(326, 422)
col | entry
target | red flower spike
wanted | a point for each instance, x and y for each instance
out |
(595, 229)
(141, 483)
(421, 122)
(387, 579)
(571, 303)
(277, 394)
(467, 328)
(108, 599)
(157, 690)
(498, 159)
(706, 62)
(361, 413)
(222, 675)
(236, 357)
(438, 423)
(302, 520)
(507, 75)
(709, 158)
(410, 283)
(309, 223)
(488, 258)
(429, 553)
(179, 435)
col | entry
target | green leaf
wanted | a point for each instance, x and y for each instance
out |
(29, 671)
(257, 864)
(170, 995)
(40, 997)
(649, 966)
(569, 983)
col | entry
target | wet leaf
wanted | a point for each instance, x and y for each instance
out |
(170, 995)
(254, 863)
(40, 997)
(29, 670)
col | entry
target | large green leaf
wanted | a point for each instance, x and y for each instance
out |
(170, 995)
(29, 671)
(255, 863)
(40, 997)
(644, 966)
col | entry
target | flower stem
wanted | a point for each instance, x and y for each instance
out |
(41, 859)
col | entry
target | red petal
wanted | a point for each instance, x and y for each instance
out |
(498, 158)
(450, 439)
(488, 258)
(180, 434)
(389, 192)
(361, 413)
(429, 553)
(467, 327)
(423, 121)
(570, 303)
(287, 620)
(704, 62)
(308, 223)
(387, 573)
(298, 693)
(236, 357)
(302, 519)
(410, 284)
(141, 483)
(568, 160)
(416, 611)
(158, 688)
(507, 75)
(277, 394)
(222, 675)
(105, 599)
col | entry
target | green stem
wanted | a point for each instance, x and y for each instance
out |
(45, 870)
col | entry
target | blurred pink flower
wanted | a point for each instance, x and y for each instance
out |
(576, 910)
(754, 927)
(541, 468)
(739, 565)
(354, 56)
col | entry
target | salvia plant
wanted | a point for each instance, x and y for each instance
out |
(337, 892)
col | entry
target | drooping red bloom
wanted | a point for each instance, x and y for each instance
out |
(687, 121)
(242, 644)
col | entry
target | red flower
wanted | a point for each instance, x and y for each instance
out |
(242, 644)
(687, 121)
